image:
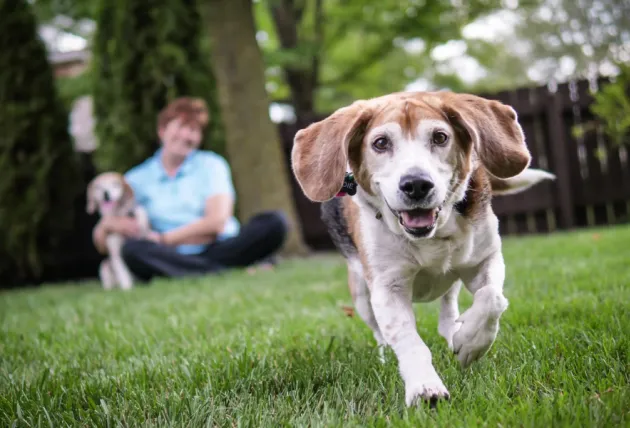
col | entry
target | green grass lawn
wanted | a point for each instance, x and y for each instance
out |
(277, 349)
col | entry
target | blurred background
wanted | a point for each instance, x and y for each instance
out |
(81, 83)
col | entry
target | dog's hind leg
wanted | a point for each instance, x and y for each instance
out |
(449, 312)
(106, 275)
(361, 298)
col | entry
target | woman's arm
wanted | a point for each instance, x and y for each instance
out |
(218, 210)
(126, 226)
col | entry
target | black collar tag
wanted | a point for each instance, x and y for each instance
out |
(349, 185)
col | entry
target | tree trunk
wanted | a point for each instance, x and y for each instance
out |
(259, 166)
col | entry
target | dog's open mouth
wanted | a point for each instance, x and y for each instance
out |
(420, 221)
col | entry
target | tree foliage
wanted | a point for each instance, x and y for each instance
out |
(40, 174)
(612, 106)
(555, 40)
(143, 57)
(323, 54)
(74, 10)
(576, 37)
(71, 88)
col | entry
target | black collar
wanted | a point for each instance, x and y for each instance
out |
(461, 206)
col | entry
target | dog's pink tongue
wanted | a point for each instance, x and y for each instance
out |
(418, 218)
(107, 206)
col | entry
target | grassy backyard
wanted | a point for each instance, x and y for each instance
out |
(276, 349)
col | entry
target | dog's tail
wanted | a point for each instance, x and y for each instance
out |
(519, 183)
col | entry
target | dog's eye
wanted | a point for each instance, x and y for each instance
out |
(381, 144)
(440, 138)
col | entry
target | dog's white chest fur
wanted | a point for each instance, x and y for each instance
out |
(428, 287)
(439, 260)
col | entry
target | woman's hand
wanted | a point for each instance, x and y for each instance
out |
(154, 236)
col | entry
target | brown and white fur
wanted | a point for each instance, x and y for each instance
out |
(421, 222)
(112, 196)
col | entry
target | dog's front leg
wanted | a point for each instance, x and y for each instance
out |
(449, 313)
(123, 275)
(392, 305)
(480, 323)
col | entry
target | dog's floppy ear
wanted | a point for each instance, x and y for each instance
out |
(493, 130)
(91, 200)
(127, 192)
(320, 151)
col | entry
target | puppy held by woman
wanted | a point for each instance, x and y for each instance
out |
(188, 196)
(110, 195)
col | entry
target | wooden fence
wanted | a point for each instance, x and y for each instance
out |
(593, 175)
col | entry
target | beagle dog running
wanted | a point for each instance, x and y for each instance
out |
(112, 196)
(421, 222)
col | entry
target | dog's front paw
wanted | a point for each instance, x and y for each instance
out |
(427, 387)
(472, 341)
(479, 326)
(126, 283)
(108, 280)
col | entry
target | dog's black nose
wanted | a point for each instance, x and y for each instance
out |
(106, 196)
(416, 186)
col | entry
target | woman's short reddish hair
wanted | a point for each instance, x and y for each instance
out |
(191, 111)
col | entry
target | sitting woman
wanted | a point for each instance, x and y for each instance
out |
(189, 197)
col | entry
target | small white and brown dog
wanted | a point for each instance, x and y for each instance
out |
(421, 222)
(111, 195)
